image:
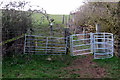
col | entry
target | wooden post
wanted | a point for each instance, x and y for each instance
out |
(63, 20)
(98, 30)
(51, 26)
(0, 45)
(66, 20)
(69, 18)
(84, 34)
(67, 39)
(51, 30)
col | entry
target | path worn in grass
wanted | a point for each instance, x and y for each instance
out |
(86, 68)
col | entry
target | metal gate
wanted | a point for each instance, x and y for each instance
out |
(100, 44)
(103, 45)
(80, 44)
(43, 45)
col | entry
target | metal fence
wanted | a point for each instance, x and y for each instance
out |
(100, 44)
(103, 45)
(43, 45)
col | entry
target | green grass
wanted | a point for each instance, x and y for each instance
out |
(57, 18)
(112, 66)
(36, 66)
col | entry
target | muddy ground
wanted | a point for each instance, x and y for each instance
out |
(86, 68)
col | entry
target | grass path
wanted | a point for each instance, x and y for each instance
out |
(86, 68)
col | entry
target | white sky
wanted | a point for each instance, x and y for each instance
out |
(55, 6)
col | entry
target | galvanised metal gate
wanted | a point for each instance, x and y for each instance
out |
(103, 45)
(100, 44)
(80, 44)
(43, 45)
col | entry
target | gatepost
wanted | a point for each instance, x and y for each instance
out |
(98, 30)
(67, 39)
(0, 46)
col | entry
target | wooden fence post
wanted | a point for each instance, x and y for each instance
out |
(118, 46)
(0, 45)
(67, 39)
(98, 30)
(63, 20)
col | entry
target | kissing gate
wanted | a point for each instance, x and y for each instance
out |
(99, 44)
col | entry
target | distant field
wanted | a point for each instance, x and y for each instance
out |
(57, 18)
(41, 24)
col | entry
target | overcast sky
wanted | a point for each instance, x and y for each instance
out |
(56, 6)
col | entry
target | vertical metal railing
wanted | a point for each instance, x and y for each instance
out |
(104, 40)
(112, 44)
